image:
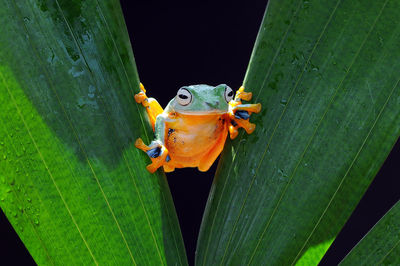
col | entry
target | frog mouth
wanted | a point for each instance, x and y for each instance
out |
(206, 112)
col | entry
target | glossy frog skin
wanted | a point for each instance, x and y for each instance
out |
(192, 130)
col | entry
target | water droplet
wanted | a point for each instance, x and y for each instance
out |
(26, 19)
(283, 102)
(1, 143)
(381, 40)
(14, 213)
(315, 68)
(36, 221)
(5, 156)
(29, 199)
(2, 198)
(76, 72)
(81, 103)
(272, 85)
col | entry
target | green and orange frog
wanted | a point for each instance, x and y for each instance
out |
(192, 129)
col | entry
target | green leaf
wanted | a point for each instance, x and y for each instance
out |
(72, 183)
(381, 246)
(327, 74)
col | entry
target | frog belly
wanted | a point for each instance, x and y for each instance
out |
(190, 140)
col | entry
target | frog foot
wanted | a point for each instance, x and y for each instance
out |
(141, 96)
(157, 152)
(153, 108)
(240, 113)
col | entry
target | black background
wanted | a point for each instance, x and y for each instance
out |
(210, 42)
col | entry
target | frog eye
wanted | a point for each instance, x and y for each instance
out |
(184, 97)
(228, 94)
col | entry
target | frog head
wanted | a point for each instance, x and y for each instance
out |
(202, 99)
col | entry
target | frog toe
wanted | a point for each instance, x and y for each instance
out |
(252, 108)
(249, 127)
(140, 97)
(140, 145)
(233, 131)
(242, 95)
(237, 123)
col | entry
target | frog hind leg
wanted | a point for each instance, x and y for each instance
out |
(156, 151)
(208, 159)
(153, 108)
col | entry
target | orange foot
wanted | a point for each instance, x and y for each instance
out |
(240, 113)
(156, 151)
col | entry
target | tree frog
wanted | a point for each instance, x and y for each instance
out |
(192, 129)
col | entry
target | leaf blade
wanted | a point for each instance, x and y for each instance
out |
(308, 62)
(83, 192)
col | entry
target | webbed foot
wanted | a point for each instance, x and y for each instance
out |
(157, 152)
(240, 113)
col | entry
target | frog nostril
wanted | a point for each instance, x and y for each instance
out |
(213, 105)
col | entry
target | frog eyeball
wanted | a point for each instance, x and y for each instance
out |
(228, 94)
(184, 97)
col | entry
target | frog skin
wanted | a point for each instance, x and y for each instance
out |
(192, 130)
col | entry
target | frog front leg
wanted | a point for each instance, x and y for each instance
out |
(157, 151)
(153, 108)
(240, 113)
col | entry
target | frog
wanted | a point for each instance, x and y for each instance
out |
(192, 129)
